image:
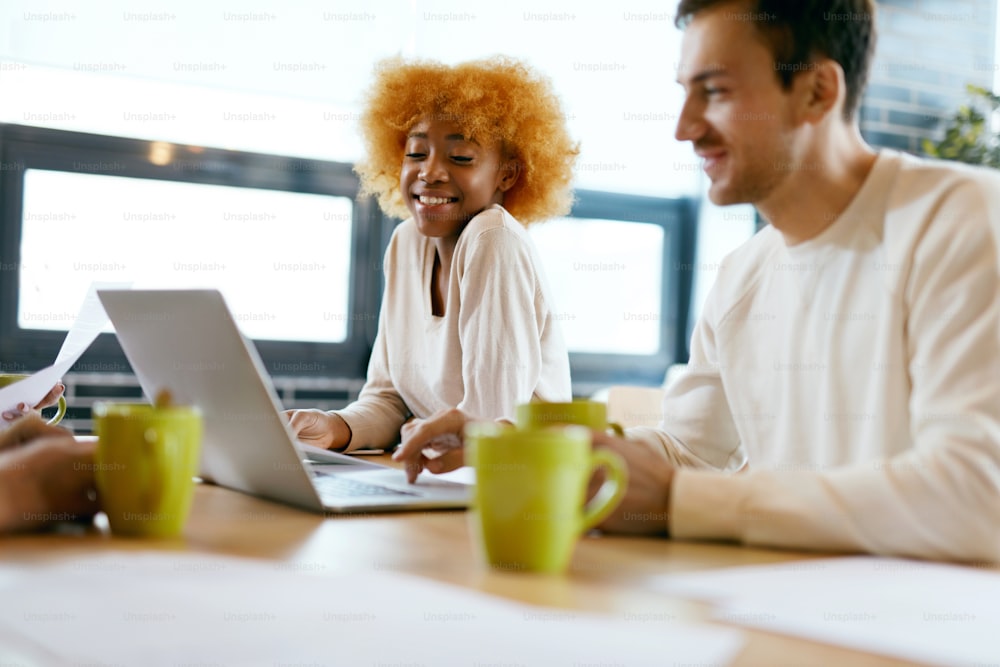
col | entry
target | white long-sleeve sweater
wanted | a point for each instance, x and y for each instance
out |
(497, 345)
(858, 376)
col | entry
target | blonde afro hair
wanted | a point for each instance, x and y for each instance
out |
(495, 99)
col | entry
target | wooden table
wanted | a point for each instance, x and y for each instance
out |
(608, 574)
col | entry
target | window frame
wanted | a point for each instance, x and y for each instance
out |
(26, 147)
(678, 218)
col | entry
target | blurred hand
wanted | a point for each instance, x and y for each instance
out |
(45, 476)
(645, 509)
(433, 444)
(22, 409)
(27, 430)
(318, 428)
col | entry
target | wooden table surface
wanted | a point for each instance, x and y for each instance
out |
(608, 573)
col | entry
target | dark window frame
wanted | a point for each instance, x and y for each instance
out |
(24, 147)
(678, 218)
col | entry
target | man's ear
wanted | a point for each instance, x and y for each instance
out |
(508, 174)
(824, 89)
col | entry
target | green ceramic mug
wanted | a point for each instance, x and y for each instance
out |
(529, 505)
(7, 379)
(539, 414)
(147, 458)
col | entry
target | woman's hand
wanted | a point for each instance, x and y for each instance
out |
(22, 409)
(320, 429)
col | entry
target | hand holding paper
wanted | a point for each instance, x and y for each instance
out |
(52, 398)
(35, 390)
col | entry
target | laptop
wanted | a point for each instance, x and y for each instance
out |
(188, 343)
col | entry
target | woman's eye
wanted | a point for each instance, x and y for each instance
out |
(464, 159)
(415, 156)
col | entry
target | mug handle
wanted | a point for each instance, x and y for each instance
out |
(60, 412)
(617, 428)
(610, 493)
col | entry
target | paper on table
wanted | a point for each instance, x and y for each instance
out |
(929, 612)
(88, 324)
(168, 609)
(463, 475)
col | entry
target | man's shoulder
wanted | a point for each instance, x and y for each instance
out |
(920, 165)
(919, 178)
(742, 271)
(934, 205)
(940, 193)
(742, 268)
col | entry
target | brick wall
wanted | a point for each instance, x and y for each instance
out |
(928, 50)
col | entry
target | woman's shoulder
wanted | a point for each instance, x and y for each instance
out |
(405, 239)
(405, 232)
(490, 221)
(494, 240)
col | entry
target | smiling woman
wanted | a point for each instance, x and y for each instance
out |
(499, 102)
(468, 320)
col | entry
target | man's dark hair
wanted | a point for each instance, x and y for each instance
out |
(799, 31)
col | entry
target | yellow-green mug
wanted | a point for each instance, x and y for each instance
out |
(539, 414)
(147, 458)
(529, 504)
(7, 379)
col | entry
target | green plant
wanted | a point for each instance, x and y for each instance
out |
(969, 136)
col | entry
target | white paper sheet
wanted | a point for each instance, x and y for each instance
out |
(88, 324)
(174, 609)
(463, 475)
(927, 612)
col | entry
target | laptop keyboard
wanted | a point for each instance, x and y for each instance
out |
(342, 486)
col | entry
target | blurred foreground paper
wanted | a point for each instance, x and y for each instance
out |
(88, 324)
(129, 608)
(931, 613)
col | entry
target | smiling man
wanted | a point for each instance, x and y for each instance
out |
(843, 391)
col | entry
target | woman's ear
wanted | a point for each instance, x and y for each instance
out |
(508, 174)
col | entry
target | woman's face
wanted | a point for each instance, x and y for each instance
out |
(447, 178)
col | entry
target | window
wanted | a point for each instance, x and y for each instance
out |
(256, 246)
(620, 268)
(257, 227)
(607, 283)
(208, 83)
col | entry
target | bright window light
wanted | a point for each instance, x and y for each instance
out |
(291, 285)
(289, 79)
(606, 278)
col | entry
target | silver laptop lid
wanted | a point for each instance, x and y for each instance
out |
(187, 342)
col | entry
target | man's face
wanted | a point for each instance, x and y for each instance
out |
(735, 113)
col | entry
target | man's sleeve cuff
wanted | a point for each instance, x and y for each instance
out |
(708, 505)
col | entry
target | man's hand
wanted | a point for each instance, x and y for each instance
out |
(434, 444)
(22, 409)
(318, 428)
(45, 476)
(646, 506)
